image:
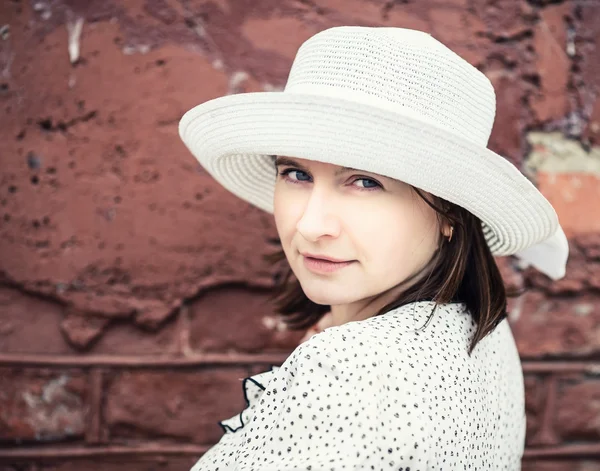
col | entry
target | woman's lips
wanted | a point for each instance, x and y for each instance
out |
(319, 265)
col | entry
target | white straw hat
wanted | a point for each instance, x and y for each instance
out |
(391, 101)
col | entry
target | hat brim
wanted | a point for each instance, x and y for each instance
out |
(233, 137)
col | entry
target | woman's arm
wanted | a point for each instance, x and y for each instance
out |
(333, 408)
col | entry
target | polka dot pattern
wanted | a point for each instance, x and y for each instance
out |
(392, 392)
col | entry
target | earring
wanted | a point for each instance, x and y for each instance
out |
(451, 233)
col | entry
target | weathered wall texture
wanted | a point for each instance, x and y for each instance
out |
(133, 291)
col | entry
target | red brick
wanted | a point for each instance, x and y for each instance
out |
(512, 277)
(125, 338)
(578, 411)
(42, 405)
(283, 35)
(560, 465)
(535, 398)
(583, 270)
(587, 44)
(505, 18)
(182, 405)
(141, 463)
(25, 318)
(83, 329)
(88, 225)
(29, 324)
(238, 319)
(547, 327)
(575, 198)
(507, 133)
(589, 244)
(342, 12)
(460, 29)
(592, 130)
(552, 64)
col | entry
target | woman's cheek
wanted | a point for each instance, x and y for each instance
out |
(284, 212)
(368, 229)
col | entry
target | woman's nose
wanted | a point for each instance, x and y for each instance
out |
(318, 219)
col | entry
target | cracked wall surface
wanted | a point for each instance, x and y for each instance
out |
(122, 263)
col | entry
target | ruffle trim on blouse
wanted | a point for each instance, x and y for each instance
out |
(253, 388)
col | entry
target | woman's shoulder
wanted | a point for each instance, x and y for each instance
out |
(355, 342)
(405, 334)
(406, 320)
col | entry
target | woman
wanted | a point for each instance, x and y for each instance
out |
(390, 210)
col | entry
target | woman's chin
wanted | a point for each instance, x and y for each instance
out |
(327, 297)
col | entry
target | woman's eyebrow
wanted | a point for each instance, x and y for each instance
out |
(285, 161)
(345, 170)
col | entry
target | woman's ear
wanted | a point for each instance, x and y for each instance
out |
(447, 229)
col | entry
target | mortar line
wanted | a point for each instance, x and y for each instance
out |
(591, 367)
(157, 449)
(87, 361)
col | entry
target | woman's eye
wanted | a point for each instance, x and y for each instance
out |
(367, 183)
(295, 175)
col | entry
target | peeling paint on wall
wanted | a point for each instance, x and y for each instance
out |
(552, 153)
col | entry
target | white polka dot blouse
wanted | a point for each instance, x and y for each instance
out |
(392, 392)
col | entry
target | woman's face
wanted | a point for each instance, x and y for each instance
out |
(378, 230)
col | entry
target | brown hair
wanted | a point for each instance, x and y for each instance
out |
(461, 270)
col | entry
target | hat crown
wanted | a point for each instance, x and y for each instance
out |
(398, 69)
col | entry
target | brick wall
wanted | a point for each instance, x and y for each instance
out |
(131, 302)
